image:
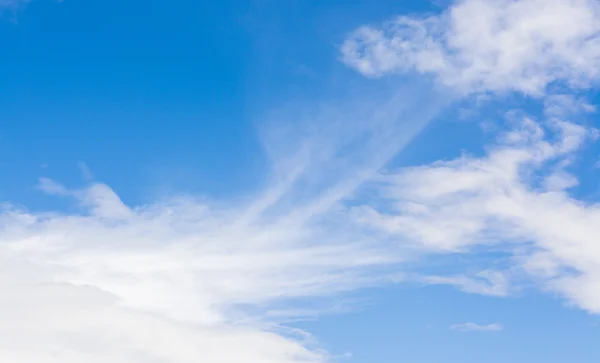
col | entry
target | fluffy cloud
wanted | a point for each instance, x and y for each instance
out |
(488, 45)
(467, 327)
(163, 283)
(65, 323)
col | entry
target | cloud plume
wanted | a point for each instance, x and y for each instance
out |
(188, 278)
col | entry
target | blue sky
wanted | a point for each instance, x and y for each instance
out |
(299, 181)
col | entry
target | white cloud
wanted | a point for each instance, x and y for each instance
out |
(492, 283)
(162, 283)
(187, 279)
(488, 45)
(190, 279)
(467, 327)
(515, 201)
(65, 323)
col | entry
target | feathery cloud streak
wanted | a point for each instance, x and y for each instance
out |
(185, 279)
(467, 327)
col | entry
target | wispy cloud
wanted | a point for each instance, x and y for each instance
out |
(86, 172)
(492, 283)
(186, 277)
(468, 327)
(493, 202)
(515, 200)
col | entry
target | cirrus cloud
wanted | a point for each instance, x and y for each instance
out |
(467, 327)
(188, 279)
(515, 200)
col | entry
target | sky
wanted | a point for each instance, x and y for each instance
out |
(286, 181)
